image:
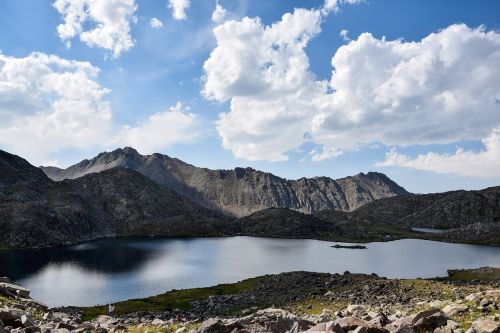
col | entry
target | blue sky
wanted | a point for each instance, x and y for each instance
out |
(163, 73)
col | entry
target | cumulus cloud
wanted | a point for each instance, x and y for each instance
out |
(439, 90)
(161, 130)
(179, 8)
(48, 104)
(109, 23)
(482, 164)
(155, 23)
(263, 70)
(219, 13)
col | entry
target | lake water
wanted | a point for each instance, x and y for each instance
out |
(107, 271)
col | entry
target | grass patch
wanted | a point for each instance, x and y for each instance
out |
(175, 299)
(481, 274)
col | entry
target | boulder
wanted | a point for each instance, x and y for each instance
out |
(157, 322)
(20, 291)
(212, 325)
(486, 326)
(4, 279)
(452, 309)
(65, 325)
(429, 320)
(27, 321)
(10, 316)
(321, 327)
(351, 323)
(333, 327)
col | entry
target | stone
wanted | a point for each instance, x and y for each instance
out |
(437, 304)
(157, 322)
(10, 316)
(452, 324)
(333, 327)
(212, 325)
(20, 291)
(486, 326)
(61, 330)
(27, 321)
(4, 279)
(443, 329)
(65, 325)
(452, 309)
(429, 320)
(354, 308)
(360, 329)
(473, 298)
(321, 327)
(405, 329)
(351, 323)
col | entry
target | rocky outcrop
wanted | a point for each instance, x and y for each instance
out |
(465, 216)
(241, 191)
(38, 212)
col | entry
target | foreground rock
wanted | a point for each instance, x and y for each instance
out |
(376, 305)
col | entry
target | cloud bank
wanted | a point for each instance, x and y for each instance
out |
(439, 90)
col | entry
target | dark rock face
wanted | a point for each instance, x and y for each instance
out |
(472, 216)
(38, 212)
(241, 191)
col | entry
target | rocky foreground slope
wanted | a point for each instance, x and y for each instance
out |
(241, 191)
(287, 302)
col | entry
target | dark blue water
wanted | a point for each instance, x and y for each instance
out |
(111, 270)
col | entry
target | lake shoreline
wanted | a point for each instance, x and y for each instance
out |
(376, 303)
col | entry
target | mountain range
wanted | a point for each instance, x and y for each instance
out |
(123, 193)
(242, 191)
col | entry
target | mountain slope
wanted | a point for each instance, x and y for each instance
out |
(241, 191)
(38, 212)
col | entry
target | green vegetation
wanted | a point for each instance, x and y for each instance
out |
(175, 299)
(481, 274)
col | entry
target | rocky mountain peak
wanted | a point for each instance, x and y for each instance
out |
(241, 191)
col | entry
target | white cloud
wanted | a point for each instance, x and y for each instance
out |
(219, 13)
(345, 35)
(179, 8)
(155, 23)
(110, 22)
(482, 164)
(161, 130)
(263, 70)
(322, 154)
(439, 90)
(48, 104)
(334, 5)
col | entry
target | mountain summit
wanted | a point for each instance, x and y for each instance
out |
(242, 191)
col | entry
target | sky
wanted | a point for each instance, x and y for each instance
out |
(297, 88)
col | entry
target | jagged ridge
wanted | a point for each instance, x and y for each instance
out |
(241, 191)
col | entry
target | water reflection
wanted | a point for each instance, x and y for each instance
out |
(112, 270)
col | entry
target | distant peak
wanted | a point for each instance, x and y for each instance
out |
(130, 150)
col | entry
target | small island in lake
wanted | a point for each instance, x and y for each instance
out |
(354, 247)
